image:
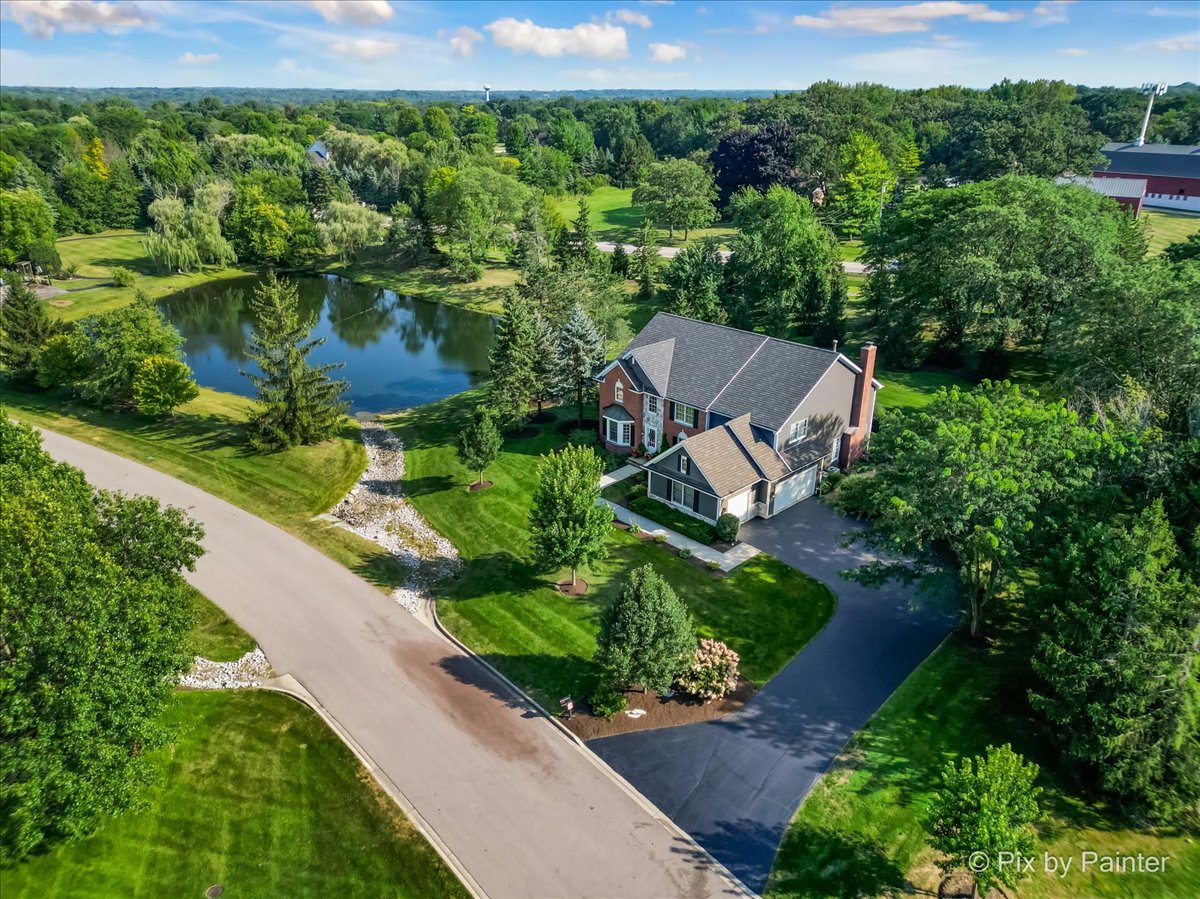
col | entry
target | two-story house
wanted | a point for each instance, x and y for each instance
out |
(736, 422)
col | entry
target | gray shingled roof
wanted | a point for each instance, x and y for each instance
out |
(1125, 188)
(719, 457)
(1178, 160)
(728, 370)
(617, 413)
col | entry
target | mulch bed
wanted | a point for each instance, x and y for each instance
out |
(588, 424)
(566, 588)
(679, 709)
(523, 433)
(541, 418)
(480, 485)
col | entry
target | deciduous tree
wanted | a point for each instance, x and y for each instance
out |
(694, 282)
(479, 442)
(866, 176)
(117, 343)
(162, 384)
(567, 524)
(678, 193)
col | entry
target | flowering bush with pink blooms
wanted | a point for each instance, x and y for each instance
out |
(714, 671)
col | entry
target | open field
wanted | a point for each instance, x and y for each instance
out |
(859, 832)
(507, 611)
(1164, 227)
(614, 217)
(258, 795)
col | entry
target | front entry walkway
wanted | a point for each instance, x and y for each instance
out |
(735, 783)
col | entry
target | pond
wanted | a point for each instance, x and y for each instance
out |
(398, 351)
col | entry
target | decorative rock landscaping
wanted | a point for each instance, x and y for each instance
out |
(248, 671)
(376, 509)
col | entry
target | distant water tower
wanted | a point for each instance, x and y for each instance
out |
(487, 93)
(1150, 90)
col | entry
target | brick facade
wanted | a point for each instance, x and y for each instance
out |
(632, 403)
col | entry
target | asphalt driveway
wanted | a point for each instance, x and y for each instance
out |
(734, 784)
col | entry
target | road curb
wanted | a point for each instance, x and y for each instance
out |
(649, 807)
(290, 686)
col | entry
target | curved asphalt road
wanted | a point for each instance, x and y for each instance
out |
(735, 783)
(524, 810)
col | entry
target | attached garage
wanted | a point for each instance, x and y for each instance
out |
(790, 491)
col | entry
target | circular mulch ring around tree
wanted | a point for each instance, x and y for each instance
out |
(541, 418)
(523, 433)
(214, 891)
(479, 485)
(566, 588)
(588, 424)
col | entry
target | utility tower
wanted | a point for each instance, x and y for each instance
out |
(1150, 90)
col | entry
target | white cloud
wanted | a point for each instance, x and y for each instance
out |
(1072, 51)
(41, 18)
(354, 12)
(198, 59)
(1187, 43)
(1051, 12)
(914, 63)
(1183, 11)
(667, 52)
(365, 48)
(462, 40)
(943, 38)
(598, 40)
(898, 19)
(631, 17)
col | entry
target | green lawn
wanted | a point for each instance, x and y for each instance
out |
(205, 446)
(428, 283)
(859, 831)
(912, 389)
(614, 217)
(1168, 227)
(257, 795)
(215, 635)
(91, 291)
(508, 612)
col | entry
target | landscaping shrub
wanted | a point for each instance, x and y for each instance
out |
(606, 702)
(829, 482)
(685, 553)
(660, 538)
(700, 531)
(727, 528)
(635, 528)
(714, 565)
(123, 277)
(714, 671)
(860, 496)
(582, 437)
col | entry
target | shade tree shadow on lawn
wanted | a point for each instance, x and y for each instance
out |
(819, 862)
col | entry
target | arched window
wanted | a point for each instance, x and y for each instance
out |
(620, 393)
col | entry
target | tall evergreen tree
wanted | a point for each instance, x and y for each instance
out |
(646, 637)
(647, 261)
(513, 360)
(24, 327)
(619, 261)
(297, 401)
(694, 281)
(582, 350)
(831, 325)
(581, 248)
(1118, 656)
(547, 362)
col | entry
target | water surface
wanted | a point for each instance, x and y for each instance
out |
(399, 351)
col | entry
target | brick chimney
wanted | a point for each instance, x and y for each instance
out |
(862, 409)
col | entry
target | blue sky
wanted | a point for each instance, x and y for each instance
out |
(387, 44)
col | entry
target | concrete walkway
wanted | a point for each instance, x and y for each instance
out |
(726, 561)
(735, 783)
(517, 807)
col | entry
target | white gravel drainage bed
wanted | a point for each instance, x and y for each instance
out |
(248, 671)
(376, 509)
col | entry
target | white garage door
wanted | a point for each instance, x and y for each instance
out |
(795, 488)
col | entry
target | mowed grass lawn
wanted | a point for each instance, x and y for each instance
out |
(205, 446)
(613, 216)
(859, 831)
(92, 290)
(1163, 228)
(510, 613)
(258, 795)
(215, 635)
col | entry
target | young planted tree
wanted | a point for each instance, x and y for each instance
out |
(646, 261)
(297, 401)
(547, 363)
(973, 474)
(582, 350)
(985, 808)
(678, 193)
(1117, 656)
(479, 442)
(94, 638)
(162, 384)
(513, 360)
(24, 327)
(567, 524)
(646, 636)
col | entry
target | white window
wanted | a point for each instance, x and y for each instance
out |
(651, 439)
(610, 430)
(685, 415)
(653, 404)
(626, 433)
(683, 495)
(618, 432)
(620, 392)
(684, 463)
(798, 431)
(837, 450)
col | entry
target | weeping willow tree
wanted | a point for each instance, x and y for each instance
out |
(298, 402)
(186, 237)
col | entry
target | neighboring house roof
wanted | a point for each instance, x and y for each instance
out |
(1178, 160)
(617, 413)
(1117, 188)
(719, 457)
(318, 149)
(725, 369)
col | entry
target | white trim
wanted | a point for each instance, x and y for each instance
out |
(713, 402)
(621, 425)
(695, 417)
